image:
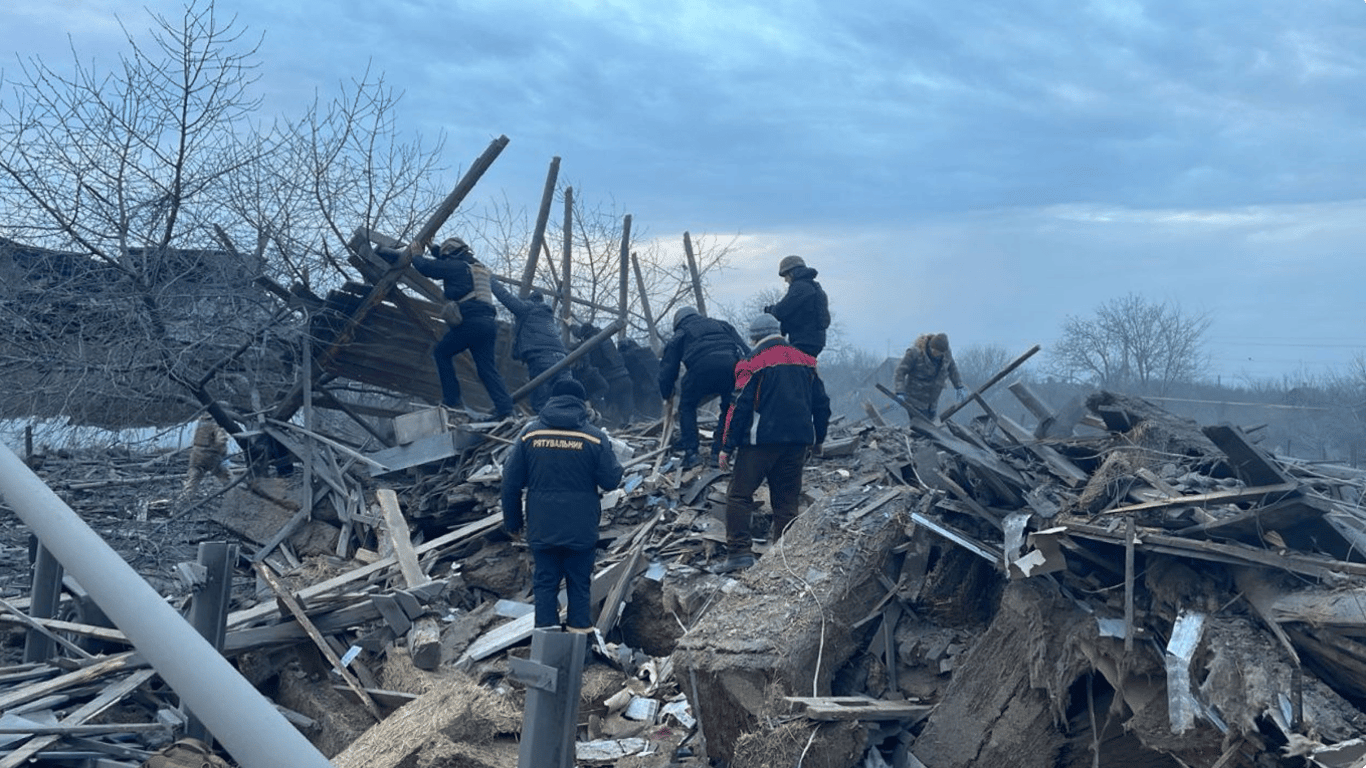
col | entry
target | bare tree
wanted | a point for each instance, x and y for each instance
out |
(1132, 343)
(138, 206)
(979, 362)
(504, 231)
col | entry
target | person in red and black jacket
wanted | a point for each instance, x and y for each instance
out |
(561, 461)
(780, 411)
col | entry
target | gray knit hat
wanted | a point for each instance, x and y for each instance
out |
(789, 263)
(763, 324)
(682, 313)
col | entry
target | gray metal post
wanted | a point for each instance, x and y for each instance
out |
(247, 724)
(44, 597)
(553, 676)
(209, 608)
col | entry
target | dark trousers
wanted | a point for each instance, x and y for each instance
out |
(781, 465)
(711, 377)
(537, 365)
(620, 399)
(478, 335)
(575, 568)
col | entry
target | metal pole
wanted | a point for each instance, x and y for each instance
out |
(244, 721)
(209, 608)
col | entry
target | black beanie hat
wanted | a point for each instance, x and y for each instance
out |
(569, 386)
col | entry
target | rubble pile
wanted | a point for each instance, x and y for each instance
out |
(1132, 588)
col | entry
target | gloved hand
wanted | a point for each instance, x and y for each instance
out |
(723, 461)
(960, 392)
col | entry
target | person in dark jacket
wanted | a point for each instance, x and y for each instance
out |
(709, 349)
(780, 412)
(643, 365)
(562, 462)
(921, 374)
(606, 358)
(535, 340)
(467, 283)
(804, 312)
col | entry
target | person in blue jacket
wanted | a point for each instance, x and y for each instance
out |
(466, 283)
(708, 349)
(535, 340)
(804, 311)
(560, 462)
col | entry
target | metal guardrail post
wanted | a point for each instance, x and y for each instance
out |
(553, 676)
(44, 597)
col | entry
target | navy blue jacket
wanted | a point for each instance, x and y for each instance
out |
(804, 312)
(695, 339)
(456, 281)
(605, 356)
(534, 332)
(561, 461)
(783, 400)
(640, 361)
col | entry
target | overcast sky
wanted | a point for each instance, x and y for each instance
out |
(984, 169)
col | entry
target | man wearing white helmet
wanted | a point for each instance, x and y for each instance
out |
(781, 411)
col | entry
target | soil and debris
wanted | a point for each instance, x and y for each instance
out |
(1143, 591)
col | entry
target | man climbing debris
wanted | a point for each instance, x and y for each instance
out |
(709, 349)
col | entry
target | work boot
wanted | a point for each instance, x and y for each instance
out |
(691, 459)
(737, 562)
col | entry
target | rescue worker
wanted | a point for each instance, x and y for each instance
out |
(618, 405)
(643, 365)
(561, 462)
(709, 348)
(922, 371)
(781, 411)
(804, 312)
(471, 320)
(535, 338)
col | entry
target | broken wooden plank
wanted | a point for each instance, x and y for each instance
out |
(424, 643)
(831, 708)
(413, 574)
(1001, 374)
(1253, 465)
(111, 695)
(294, 607)
(1234, 496)
(122, 661)
(1062, 467)
(265, 610)
(1232, 553)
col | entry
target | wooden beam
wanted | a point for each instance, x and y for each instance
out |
(292, 604)
(1001, 374)
(413, 574)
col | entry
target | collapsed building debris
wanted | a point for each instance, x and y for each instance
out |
(1111, 585)
(1193, 600)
